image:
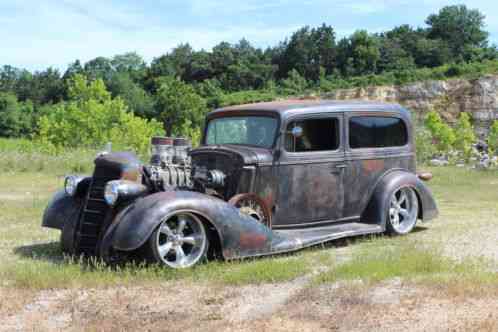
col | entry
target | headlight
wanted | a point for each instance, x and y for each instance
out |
(123, 190)
(111, 192)
(71, 184)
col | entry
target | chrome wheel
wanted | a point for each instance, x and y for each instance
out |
(403, 211)
(180, 241)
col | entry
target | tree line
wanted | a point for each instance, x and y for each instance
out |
(177, 88)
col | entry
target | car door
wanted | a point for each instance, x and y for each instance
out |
(310, 171)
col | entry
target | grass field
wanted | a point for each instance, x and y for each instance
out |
(454, 257)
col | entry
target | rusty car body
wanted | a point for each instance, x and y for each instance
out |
(267, 178)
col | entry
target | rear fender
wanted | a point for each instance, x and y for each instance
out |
(377, 208)
(239, 235)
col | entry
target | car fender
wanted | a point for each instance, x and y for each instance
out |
(376, 210)
(61, 209)
(239, 234)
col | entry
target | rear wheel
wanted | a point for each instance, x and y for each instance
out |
(402, 211)
(180, 241)
(253, 206)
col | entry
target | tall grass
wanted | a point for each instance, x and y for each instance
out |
(22, 155)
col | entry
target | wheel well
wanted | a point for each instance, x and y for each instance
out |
(215, 250)
(420, 206)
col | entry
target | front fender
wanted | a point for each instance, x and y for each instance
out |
(377, 208)
(60, 210)
(239, 235)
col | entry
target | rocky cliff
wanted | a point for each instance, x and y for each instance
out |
(478, 97)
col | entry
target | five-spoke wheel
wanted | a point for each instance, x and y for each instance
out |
(403, 211)
(180, 241)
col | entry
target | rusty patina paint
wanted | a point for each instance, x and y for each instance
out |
(373, 165)
(252, 241)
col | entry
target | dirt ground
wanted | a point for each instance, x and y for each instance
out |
(176, 306)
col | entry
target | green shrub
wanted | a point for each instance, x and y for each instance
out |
(294, 84)
(471, 70)
(442, 133)
(426, 150)
(464, 134)
(91, 118)
(493, 138)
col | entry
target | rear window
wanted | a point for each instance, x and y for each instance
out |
(376, 132)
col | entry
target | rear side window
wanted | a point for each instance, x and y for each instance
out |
(317, 135)
(376, 132)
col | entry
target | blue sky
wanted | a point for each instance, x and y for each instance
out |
(36, 34)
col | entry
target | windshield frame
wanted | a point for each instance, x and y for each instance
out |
(232, 114)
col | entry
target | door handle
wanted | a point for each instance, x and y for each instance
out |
(337, 168)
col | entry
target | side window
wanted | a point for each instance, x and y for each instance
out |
(376, 132)
(317, 135)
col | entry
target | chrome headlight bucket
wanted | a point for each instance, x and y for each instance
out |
(122, 189)
(71, 184)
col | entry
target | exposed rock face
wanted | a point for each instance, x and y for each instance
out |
(477, 97)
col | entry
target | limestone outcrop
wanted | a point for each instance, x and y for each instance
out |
(478, 97)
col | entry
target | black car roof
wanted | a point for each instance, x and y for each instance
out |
(288, 107)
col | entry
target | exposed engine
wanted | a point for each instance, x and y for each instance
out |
(169, 164)
(208, 172)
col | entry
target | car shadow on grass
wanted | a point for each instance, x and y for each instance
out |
(50, 252)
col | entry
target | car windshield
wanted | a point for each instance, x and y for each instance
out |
(245, 130)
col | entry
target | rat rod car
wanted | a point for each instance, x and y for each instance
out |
(268, 178)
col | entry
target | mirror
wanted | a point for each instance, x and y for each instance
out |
(297, 132)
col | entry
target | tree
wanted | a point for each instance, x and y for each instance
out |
(47, 87)
(308, 50)
(73, 69)
(99, 68)
(359, 54)
(393, 56)
(137, 99)
(92, 117)
(459, 26)
(295, 84)
(16, 119)
(178, 107)
(222, 57)
(432, 52)
(211, 91)
(8, 78)
(128, 62)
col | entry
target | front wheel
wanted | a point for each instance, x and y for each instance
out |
(402, 211)
(180, 241)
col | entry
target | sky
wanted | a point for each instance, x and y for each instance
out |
(36, 34)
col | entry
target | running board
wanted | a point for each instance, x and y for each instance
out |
(294, 239)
